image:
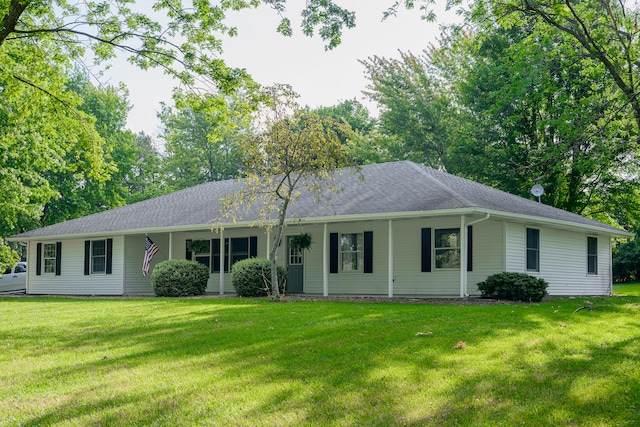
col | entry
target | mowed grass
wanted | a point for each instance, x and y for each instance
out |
(631, 288)
(250, 362)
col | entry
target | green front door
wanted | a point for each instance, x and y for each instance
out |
(295, 268)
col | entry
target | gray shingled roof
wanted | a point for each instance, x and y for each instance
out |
(388, 188)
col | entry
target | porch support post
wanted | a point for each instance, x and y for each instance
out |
(463, 256)
(268, 243)
(222, 262)
(325, 261)
(170, 245)
(390, 258)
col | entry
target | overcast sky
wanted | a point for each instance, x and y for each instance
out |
(322, 78)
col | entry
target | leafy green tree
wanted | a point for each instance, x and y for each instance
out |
(352, 112)
(626, 260)
(145, 179)
(43, 132)
(534, 107)
(291, 150)
(363, 143)
(607, 32)
(79, 193)
(415, 107)
(8, 257)
(201, 137)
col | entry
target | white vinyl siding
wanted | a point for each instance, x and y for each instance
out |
(488, 253)
(515, 247)
(351, 282)
(408, 277)
(497, 246)
(72, 280)
(563, 263)
(135, 282)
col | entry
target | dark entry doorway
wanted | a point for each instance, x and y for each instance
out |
(295, 268)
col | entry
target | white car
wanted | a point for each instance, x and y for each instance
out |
(14, 279)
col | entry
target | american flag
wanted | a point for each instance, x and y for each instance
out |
(149, 251)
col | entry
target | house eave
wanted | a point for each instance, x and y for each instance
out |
(470, 211)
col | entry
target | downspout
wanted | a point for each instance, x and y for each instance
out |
(26, 283)
(390, 260)
(610, 267)
(170, 245)
(464, 248)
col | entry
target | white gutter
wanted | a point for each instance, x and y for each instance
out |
(531, 219)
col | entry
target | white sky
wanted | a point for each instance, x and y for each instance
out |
(322, 78)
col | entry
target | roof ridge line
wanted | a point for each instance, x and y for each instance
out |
(441, 185)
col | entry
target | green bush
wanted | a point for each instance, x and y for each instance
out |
(626, 261)
(514, 287)
(252, 277)
(179, 278)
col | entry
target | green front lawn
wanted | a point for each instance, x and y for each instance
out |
(246, 362)
(631, 288)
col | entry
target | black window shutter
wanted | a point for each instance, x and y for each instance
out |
(38, 259)
(469, 248)
(333, 253)
(253, 246)
(109, 266)
(368, 251)
(58, 258)
(426, 250)
(87, 256)
(188, 255)
(215, 251)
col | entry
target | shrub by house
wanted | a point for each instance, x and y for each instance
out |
(179, 278)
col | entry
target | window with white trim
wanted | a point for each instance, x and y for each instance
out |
(446, 247)
(98, 256)
(49, 257)
(352, 252)
(592, 255)
(533, 249)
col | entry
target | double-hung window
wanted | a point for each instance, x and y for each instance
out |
(533, 249)
(352, 251)
(447, 248)
(592, 255)
(49, 258)
(98, 256)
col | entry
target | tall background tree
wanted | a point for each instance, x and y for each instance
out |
(201, 136)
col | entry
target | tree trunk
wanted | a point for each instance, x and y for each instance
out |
(277, 239)
(10, 20)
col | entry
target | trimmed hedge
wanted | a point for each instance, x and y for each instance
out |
(252, 277)
(514, 287)
(179, 278)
